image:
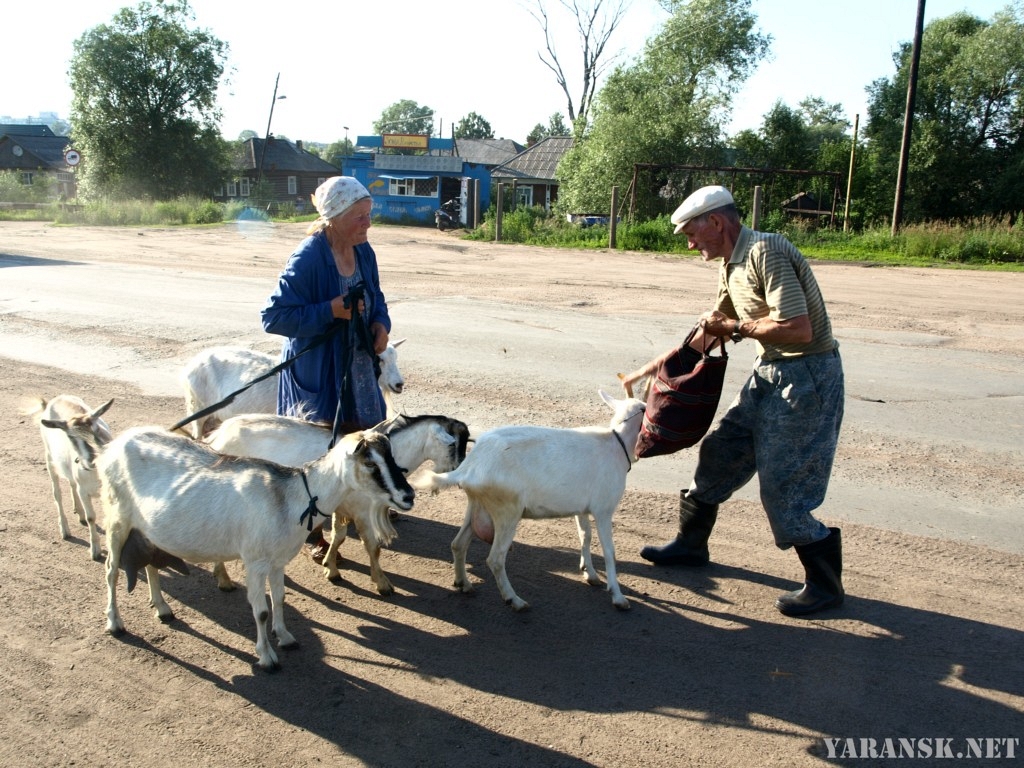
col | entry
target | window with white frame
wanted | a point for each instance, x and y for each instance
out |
(232, 189)
(293, 185)
(413, 187)
(243, 186)
(524, 196)
(26, 178)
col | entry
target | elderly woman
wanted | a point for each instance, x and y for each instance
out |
(311, 297)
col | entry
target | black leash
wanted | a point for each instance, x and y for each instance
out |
(358, 336)
(317, 341)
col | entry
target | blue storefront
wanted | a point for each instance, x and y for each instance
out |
(408, 188)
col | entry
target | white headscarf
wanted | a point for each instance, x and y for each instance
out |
(337, 195)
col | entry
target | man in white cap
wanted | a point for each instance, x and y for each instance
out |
(784, 424)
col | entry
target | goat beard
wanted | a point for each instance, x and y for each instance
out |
(138, 552)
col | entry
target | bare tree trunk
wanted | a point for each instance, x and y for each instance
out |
(596, 21)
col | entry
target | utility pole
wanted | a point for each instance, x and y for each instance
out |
(849, 177)
(908, 121)
(266, 139)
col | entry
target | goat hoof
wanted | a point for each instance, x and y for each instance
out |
(518, 605)
(165, 618)
(270, 667)
(229, 587)
(289, 646)
(623, 606)
(385, 591)
(116, 631)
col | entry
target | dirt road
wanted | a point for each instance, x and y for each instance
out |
(702, 671)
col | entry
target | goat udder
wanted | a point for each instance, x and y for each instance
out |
(483, 526)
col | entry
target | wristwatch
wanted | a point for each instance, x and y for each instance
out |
(736, 336)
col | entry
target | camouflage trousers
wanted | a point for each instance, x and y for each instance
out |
(783, 426)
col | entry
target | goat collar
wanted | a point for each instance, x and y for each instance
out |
(622, 443)
(312, 510)
(625, 450)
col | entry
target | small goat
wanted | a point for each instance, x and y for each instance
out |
(294, 442)
(193, 503)
(73, 436)
(542, 472)
(213, 374)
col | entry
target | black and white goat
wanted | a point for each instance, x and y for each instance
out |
(293, 442)
(193, 503)
(214, 373)
(543, 472)
(73, 435)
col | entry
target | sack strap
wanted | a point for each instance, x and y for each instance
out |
(706, 348)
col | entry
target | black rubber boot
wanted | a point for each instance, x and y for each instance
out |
(823, 586)
(690, 546)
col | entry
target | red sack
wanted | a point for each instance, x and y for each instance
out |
(683, 399)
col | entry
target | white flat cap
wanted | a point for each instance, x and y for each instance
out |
(704, 200)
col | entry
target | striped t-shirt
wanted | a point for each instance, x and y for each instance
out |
(767, 276)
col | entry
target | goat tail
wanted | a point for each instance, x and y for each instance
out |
(32, 406)
(432, 482)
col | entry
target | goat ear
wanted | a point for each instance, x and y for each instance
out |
(444, 436)
(397, 343)
(607, 398)
(383, 427)
(102, 409)
(54, 424)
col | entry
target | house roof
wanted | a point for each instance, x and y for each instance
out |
(536, 163)
(22, 129)
(282, 155)
(489, 152)
(37, 151)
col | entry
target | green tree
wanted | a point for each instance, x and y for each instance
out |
(336, 150)
(555, 127)
(144, 111)
(472, 126)
(669, 106)
(967, 142)
(405, 116)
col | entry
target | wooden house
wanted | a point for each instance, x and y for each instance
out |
(291, 172)
(533, 173)
(34, 150)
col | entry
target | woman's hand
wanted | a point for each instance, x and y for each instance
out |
(380, 337)
(340, 311)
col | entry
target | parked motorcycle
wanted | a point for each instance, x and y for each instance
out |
(448, 215)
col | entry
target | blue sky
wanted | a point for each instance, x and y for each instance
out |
(342, 64)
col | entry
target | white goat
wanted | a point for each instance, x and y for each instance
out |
(294, 442)
(73, 436)
(193, 503)
(214, 373)
(542, 472)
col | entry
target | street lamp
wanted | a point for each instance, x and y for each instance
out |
(346, 137)
(266, 140)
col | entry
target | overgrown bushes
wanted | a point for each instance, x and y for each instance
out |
(988, 243)
(984, 243)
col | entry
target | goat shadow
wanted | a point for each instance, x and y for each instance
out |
(694, 652)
